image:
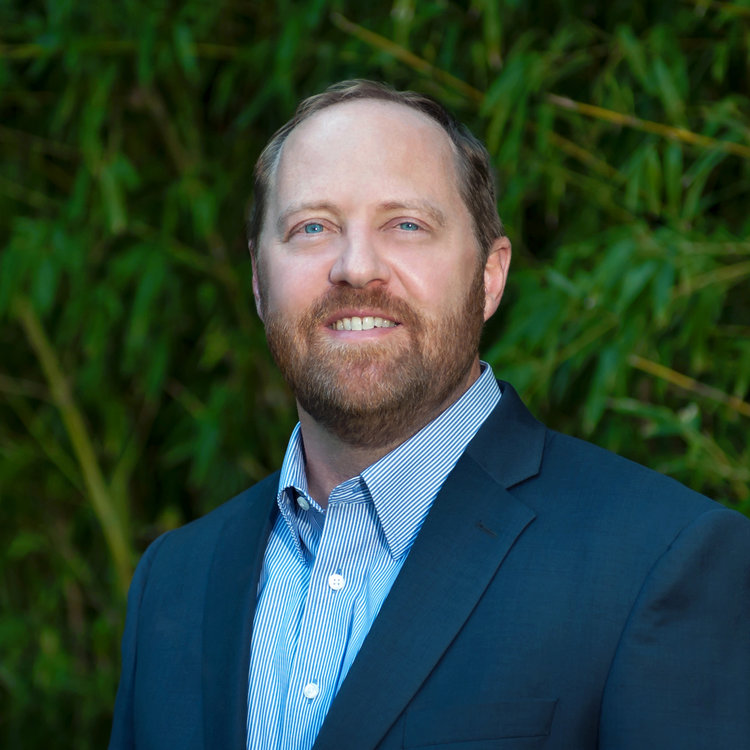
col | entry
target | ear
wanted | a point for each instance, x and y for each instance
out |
(495, 275)
(256, 283)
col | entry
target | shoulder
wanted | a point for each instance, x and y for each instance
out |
(587, 469)
(579, 472)
(620, 507)
(584, 491)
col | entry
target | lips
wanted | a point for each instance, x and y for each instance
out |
(364, 323)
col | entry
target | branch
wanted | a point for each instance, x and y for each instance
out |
(590, 110)
(100, 497)
(689, 384)
(666, 131)
(18, 387)
(584, 156)
(587, 337)
(724, 275)
(51, 448)
(221, 270)
(405, 56)
(22, 194)
(149, 99)
(114, 47)
(38, 143)
(730, 8)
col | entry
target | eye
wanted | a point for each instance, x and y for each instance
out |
(312, 227)
(408, 226)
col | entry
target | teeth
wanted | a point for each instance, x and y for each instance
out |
(362, 324)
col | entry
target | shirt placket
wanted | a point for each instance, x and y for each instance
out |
(273, 647)
(335, 581)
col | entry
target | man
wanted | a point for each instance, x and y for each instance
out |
(432, 567)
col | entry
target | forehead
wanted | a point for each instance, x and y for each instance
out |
(367, 143)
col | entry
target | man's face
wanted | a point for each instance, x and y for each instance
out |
(369, 280)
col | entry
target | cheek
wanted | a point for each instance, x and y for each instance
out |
(290, 290)
(436, 285)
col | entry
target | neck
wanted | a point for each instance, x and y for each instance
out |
(330, 461)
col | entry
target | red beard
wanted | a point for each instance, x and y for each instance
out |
(378, 394)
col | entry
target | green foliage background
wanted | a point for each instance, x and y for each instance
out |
(136, 392)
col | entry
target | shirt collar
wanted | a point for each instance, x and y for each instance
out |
(293, 485)
(405, 481)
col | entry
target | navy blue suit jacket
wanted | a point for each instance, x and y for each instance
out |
(558, 596)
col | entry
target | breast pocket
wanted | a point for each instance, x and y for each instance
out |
(481, 726)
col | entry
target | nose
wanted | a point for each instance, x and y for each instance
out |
(359, 263)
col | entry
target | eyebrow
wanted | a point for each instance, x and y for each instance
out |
(303, 206)
(421, 205)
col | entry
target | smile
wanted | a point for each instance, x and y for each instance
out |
(366, 323)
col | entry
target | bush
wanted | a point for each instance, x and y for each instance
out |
(137, 392)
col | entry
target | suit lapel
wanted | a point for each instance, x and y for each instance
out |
(471, 527)
(230, 606)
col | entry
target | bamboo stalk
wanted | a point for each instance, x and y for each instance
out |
(724, 275)
(38, 143)
(586, 338)
(585, 182)
(658, 128)
(689, 384)
(153, 103)
(206, 50)
(99, 495)
(734, 331)
(23, 387)
(221, 270)
(716, 248)
(22, 194)
(23, 51)
(51, 448)
(422, 66)
(584, 156)
(722, 465)
(731, 8)
(405, 56)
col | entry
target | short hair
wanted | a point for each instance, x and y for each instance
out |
(475, 174)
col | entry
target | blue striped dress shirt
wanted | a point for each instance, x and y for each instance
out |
(326, 573)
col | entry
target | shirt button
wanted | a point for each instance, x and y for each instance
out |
(336, 581)
(310, 690)
(303, 503)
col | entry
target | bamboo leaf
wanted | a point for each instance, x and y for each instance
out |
(183, 42)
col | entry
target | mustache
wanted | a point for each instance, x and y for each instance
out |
(377, 298)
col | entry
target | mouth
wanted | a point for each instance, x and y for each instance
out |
(361, 323)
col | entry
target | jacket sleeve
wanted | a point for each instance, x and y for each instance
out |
(681, 673)
(123, 724)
